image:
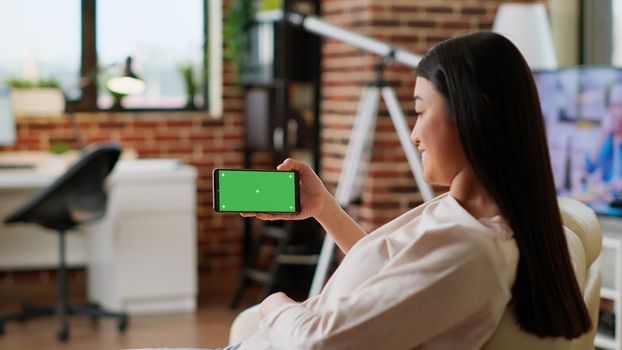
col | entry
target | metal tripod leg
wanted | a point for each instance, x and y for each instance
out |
(361, 135)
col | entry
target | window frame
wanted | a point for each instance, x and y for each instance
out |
(88, 63)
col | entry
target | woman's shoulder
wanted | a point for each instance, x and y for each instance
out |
(448, 223)
(445, 212)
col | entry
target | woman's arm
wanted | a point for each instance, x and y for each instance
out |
(453, 283)
(317, 202)
(341, 227)
(273, 302)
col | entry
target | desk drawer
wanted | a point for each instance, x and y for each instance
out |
(150, 197)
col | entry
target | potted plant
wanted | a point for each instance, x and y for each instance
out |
(238, 19)
(36, 98)
(187, 70)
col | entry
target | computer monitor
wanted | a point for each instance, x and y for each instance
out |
(582, 108)
(7, 122)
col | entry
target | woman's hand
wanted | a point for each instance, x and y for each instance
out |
(273, 302)
(313, 194)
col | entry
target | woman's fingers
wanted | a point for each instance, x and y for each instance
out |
(287, 164)
(266, 216)
(291, 164)
(269, 217)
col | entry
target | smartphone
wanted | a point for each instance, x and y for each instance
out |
(256, 191)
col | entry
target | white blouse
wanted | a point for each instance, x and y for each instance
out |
(433, 278)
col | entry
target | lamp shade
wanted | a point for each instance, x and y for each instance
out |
(527, 26)
(128, 83)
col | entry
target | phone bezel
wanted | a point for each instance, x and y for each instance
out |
(216, 190)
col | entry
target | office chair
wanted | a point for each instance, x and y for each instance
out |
(78, 196)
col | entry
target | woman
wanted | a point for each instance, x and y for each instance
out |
(441, 275)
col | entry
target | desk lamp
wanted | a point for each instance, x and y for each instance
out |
(126, 84)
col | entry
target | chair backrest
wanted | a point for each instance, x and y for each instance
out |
(76, 196)
(584, 239)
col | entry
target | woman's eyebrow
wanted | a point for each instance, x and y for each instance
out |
(417, 97)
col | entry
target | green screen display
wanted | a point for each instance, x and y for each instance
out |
(256, 191)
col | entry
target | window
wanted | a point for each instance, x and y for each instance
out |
(161, 36)
(75, 40)
(37, 44)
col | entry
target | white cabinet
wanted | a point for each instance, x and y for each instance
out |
(610, 263)
(142, 255)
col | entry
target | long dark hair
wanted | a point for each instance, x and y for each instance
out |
(490, 93)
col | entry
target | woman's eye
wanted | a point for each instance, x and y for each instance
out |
(417, 114)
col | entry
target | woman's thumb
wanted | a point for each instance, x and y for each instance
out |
(288, 164)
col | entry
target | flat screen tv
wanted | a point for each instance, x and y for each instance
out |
(582, 108)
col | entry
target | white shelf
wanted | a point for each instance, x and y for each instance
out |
(605, 342)
(611, 268)
(610, 294)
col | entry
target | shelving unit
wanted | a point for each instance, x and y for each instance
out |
(281, 81)
(610, 264)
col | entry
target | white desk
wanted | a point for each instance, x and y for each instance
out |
(141, 256)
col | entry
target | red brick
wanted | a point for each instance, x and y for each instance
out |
(439, 9)
(213, 122)
(181, 123)
(404, 39)
(405, 9)
(42, 127)
(485, 25)
(421, 24)
(141, 124)
(404, 188)
(167, 136)
(473, 11)
(112, 125)
(456, 25)
(376, 22)
(176, 148)
(201, 135)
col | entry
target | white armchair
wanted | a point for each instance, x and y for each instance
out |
(584, 243)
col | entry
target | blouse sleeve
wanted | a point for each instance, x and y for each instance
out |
(426, 289)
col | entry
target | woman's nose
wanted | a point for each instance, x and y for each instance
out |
(413, 136)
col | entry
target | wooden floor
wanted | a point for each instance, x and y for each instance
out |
(207, 328)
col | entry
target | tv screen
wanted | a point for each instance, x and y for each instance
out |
(582, 108)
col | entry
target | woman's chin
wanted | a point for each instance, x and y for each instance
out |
(434, 182)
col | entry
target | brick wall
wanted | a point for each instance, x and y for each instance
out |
(414, 25)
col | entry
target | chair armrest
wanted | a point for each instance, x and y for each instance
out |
(245, 325)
